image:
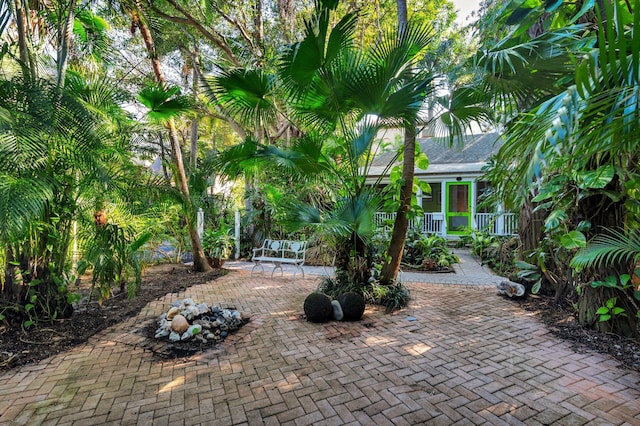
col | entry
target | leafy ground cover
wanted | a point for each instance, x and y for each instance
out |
(21, 347)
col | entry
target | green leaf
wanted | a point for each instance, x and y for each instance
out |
(618, 311)
(535, 289)
(573, 240)
(28, 323)
(424, 186)
(602, 310)
(547, 192)
(28, 307)
(551, 5)
(604, 318)
(518, 15)
(163, 103)
(596, 179)
(584, 226)
(555, 218)
(422, 161)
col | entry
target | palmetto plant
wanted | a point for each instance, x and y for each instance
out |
(338, 97)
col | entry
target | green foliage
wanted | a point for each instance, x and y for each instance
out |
(163, 103)
(217, 244)
(610, 310)
(427, 251)
(498, 252)
(393, 297)
(566, 78)
(112, 255)
(614, 247)
(529, 273)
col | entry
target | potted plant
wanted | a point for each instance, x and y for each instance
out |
(217, 245)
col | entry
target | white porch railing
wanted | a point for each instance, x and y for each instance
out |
(433, 223)
(497, 223)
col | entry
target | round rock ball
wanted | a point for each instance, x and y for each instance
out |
(352, 306)
(179, 324)
(317, 307)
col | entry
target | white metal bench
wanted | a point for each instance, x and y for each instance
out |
(279, 252)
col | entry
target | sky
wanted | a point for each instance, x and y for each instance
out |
(465, 7)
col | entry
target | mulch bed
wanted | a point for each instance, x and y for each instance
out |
(564, 325)
(21, 347)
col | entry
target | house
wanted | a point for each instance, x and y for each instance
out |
(454, 174)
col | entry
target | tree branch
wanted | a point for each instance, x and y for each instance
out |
(235, 23)
(215, 38)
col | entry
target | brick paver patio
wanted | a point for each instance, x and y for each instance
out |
(458, 355)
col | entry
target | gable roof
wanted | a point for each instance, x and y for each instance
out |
(473, 149)
(467, 155)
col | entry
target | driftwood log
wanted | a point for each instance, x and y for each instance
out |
(511, 289)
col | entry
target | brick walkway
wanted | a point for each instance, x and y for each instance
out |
(469, 357)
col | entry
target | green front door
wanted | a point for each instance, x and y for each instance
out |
(458, 208)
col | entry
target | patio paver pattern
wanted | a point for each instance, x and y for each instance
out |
(458, 355)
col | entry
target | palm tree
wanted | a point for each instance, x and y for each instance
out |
(338, 98)
(199, 260)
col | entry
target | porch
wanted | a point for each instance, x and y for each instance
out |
(435, 223)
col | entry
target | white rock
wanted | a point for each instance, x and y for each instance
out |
(338, 315)
(203, 308)
(194, 329)
(162, 332)
(173, 312)
(174, 337)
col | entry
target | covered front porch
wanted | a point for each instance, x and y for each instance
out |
(435, 223)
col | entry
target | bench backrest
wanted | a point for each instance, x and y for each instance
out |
(285, 248)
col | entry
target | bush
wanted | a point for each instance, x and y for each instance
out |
(352, 305)
(393, 297)
(317, 307)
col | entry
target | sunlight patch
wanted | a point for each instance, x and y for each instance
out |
(172, 384)
(418, 349)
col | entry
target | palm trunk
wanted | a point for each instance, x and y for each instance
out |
(64, 37)
(603, 214)
(391, 266)
(22, 24)
(199, 260)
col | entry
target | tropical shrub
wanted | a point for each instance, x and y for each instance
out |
(423, 252)
(111, 254)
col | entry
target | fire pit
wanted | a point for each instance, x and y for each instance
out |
(189, 321)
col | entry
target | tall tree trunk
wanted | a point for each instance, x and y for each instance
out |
(195, 122)
(64, 41)
(24, 40)
(391, 266)
(604, 214)
(199, 260)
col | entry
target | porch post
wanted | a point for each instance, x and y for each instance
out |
(500, 220)
(421, 221)
(443, 207)
(474, 223)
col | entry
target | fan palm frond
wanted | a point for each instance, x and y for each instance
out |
(609, 249)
